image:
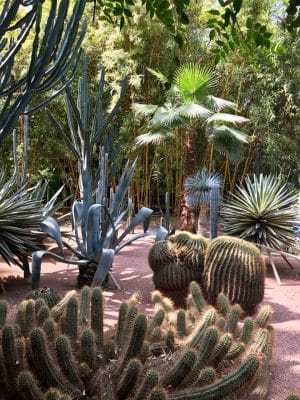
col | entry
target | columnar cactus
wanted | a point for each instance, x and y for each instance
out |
(176, 355)
(176, 262)
(236, 268)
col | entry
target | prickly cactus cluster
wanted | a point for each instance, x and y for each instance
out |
(176, 262)
(200, 353)
(50, 296)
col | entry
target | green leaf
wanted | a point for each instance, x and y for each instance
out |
(212, 34)
(214, 12)
(237, 4)
(249, 23)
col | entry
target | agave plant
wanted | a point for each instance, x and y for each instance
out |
(20, 219)
(198, 195)
(97, 216)
(262, 211)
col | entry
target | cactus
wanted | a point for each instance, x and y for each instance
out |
(236, 268)
(263, 316)
(176, 262)
(129, 379)
(97, 306)
(197, 296)
(293, 397)
(85, 299)
(149, 382)
(50, 296)
(3, 312)
(177, 355)
(43, 314)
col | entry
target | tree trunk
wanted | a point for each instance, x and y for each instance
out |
(188, 220)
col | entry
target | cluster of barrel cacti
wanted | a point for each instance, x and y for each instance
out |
(176, 262)
(225, 265)
(199, 353)
(50, 296)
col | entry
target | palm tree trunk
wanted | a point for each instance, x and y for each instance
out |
(188, 220)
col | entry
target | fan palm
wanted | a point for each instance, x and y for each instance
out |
(189, 100)
(20, 219)
(263, 211)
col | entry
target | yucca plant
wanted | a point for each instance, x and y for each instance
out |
(262, 211)
(97, 216)
(198, 190)
(20, 219)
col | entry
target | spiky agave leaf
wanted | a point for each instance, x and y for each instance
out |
(263, 212)
(198, 188)
(20, 219)
(194, 83)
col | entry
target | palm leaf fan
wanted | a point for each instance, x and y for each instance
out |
(194, 83)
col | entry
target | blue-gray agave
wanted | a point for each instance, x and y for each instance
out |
(97, 216)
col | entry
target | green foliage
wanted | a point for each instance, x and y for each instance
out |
(55, 370)
(263, 212)
(235, 268)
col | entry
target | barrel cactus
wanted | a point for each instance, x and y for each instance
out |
(236, 268)
(176, 262)
(72, 356)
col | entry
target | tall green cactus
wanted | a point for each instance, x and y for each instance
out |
(236, 268)
(55, 52)
(176, 262)
(190, 364)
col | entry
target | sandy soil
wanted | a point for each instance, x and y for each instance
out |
(133, 273)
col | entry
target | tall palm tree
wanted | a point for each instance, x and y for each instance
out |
(188, 102)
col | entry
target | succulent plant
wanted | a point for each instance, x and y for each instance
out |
(20, 220)
(123, 362)
(97, 216)
(46, 68)
(176, 262)
(50, 296)
(262, 211)
(235, 268)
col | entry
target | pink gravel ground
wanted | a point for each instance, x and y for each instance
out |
(133, 273)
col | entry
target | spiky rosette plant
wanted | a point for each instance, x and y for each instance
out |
(20, 220)
(262, 211)
(50, 296)
(203, 353)
(176, 262)
(198, 195)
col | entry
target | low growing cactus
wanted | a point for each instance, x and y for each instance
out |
(192, 355)
(50, 296)
(236, 268)
(176, 262)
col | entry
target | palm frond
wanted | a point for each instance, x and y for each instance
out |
(198, 188)
(193, 110)
(228, 141)
(159, 75)
(218, 104)
(144, 110)
(194, 83)
(262, 211)
(166, 115)
(155, 137)
(224, 117)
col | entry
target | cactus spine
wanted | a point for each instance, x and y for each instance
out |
(236, 268)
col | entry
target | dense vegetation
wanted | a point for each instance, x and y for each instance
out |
(258, 73)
